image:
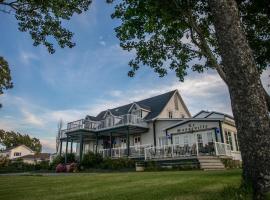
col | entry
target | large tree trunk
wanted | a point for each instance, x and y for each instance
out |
(247, 96)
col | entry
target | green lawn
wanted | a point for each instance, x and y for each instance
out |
(146, 185)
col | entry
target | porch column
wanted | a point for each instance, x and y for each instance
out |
(60, 150)
(66, 150)
(128, 142)
(96, 142)
(81, 147)
(71, 146)
(111, 144)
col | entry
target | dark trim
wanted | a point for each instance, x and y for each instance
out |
(128, 143)
(111, 143)
(193, 120)
(81, 147)
(154, 133)
(202, 111)
(224, 114)
(66, 150)
(221, 132)
(60, 152)
(96, 142)
(71, 147)
(193, 131)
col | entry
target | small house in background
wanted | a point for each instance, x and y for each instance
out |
(17, 152)
(36, 158)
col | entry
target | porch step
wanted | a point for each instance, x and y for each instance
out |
(210, 163)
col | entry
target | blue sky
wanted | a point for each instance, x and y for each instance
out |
(86, 79)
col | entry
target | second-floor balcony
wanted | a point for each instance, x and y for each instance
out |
(108, 123)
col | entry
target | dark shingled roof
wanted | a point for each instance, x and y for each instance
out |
(154, 104)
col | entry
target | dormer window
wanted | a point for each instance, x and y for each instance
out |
(170, 114)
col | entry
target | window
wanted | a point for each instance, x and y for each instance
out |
(210, 137)
(170, 114)
(185, 139)
(176, 139)
(163, 141)
(229, 139)
(236, 142)
(17, 153)
(176, 102)
(137, 140)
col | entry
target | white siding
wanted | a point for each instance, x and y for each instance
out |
(170, 107)
(22, 150)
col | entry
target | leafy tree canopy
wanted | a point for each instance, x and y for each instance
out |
(12, 139)
(169, 34)
(5, 78)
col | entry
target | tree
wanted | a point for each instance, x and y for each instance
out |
(12, 139)
(5, 78)
(43, 21)
(58, 135)
(232, 37)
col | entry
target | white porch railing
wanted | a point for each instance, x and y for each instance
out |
(222, 149)
(170, 151)
(134, 151)
(174, 151)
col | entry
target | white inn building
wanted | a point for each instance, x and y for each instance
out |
(160, 127)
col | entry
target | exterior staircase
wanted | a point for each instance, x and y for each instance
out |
(208, 163)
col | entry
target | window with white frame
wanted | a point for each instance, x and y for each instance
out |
(228, 137)
(163, 141)
(236, 142)
(137, 140)
(185, 139)
(210, 137)
(176, 139)
(170, 114)
(17, 154)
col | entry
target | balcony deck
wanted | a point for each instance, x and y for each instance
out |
(111, 123)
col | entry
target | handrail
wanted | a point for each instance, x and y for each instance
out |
(113, 121)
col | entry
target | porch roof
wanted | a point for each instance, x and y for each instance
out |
(116, 131)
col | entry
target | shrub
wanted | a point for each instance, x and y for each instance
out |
(73, 167)
(91, 160)
(4, 161)
(60, 168)
(70, 158)
(57, 160)
(121, 163)
(43, 165)
(230, 163)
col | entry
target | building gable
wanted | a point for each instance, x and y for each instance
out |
(175, 108)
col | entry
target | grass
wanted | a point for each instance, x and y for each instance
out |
(173, 185)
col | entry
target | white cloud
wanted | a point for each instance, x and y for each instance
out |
(27, 57)
(103, 43)
(31, 118)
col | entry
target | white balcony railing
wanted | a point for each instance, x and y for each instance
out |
(109, 122)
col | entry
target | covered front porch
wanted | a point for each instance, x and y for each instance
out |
(116, 142)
